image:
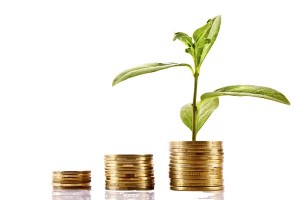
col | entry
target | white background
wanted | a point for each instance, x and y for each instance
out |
(58, 110)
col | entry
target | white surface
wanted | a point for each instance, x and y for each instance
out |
(58, 110)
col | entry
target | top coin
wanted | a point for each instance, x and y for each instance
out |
(197, 144)
(128, 155)
(71, 172)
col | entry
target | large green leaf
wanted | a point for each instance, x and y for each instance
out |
(204, 109)
(200, 41)
(248, 90)
(202, 32)
(212, 35)
(184, 38)
(146, 68)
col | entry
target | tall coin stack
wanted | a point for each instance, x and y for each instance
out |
(129, 172)
(196, 166)
(74, 180)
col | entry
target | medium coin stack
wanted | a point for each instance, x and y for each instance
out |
(74, 180)
(129, 172)
(196, 166)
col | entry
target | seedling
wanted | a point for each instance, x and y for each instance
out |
(195, 114)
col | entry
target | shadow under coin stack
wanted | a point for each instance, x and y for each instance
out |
(73, 180)
(129, 172)
(196, 166)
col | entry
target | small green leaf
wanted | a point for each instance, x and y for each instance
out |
(212, 35)
(204, 109)
(190, 50)
(186, 115)
(184, 38)
(146, 68)
(248, 90)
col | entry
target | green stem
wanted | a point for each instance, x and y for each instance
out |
(194, 131)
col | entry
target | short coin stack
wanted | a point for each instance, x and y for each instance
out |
(196, 166)
(129, 172)
(71, 180)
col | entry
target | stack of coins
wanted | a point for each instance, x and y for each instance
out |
(129, 172)
(196, 166)
(74, 180)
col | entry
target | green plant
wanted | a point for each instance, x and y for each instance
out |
(195, 114)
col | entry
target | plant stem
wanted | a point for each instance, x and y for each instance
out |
(194, 131)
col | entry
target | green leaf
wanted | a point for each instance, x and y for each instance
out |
(212, 35)
(184, 38)
(146, 68)
(186, 115)
(203, 42)
(248, 90)
(204, 109)
(201, 32)
(190, 50)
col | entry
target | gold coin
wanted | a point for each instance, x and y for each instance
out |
(183, 184)
(129, 161)
(70, 181)
(129, 157)
(69, 184)
(71, 172)
(72, 187)
(196, 150)
(140, 169)
(196, 162)
(196, 165)
(196, 142)
(196, 177)
(207, 145)
(71, 178)
(112, 182)
(197, 188)
(197, 158)
(198, 173)
(199, 181)
(129, 188)
(195, 154)
(133, 165)
(71, 175)
(204, 169)
(130, 175)
(128, 171)
(200, 149)
(119, 169)
(148, 184)
(130, 178)
(149, 160)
